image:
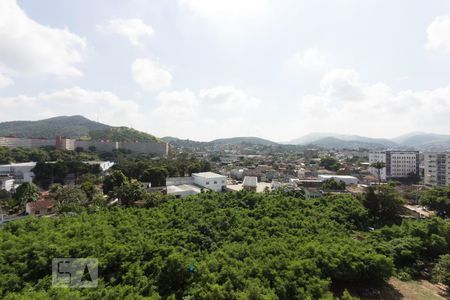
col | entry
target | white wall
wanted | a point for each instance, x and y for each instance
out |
(213, 182)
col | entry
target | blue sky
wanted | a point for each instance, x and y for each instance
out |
(203, 69)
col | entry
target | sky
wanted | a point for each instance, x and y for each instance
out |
(206, 69)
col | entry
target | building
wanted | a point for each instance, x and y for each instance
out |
(103, 165)
(159, 148)
(250, 183)
(210, 180)
(40, 207)
(399, 164)
(309, 154)
(6, 183)
(348, 180)
(437, 168)
(20, 172)
(184, 186)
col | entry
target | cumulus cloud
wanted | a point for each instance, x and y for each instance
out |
(150, 75)
(29, 48)
(205, 113)
(310, 59)
(135, 30)
(373, 109)
(439, 34)
(228, 98)
(108, 107)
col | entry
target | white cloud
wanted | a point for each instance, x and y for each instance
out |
(108, 107)
(205, 114)
(439, 34)
(150, 75)
(5, 81)
(135, 30)
(29, 48)
(373, 109)
(310, 59)
(228, 98)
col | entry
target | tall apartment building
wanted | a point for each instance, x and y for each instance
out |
(437, 168)
(399, 164)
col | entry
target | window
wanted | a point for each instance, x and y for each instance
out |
(215, 182)
(207, 183)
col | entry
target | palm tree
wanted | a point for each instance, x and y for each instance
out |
(378, 165)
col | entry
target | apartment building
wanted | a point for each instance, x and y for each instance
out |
(437, 168)
(399, 164)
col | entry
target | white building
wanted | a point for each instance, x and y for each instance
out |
(250, 183)
(377, 156)
(6, 183)
(399, 164)
(344, 178)
(104, 165)
(210, 180)
(21, 172)
(184, 190)
(437, 168)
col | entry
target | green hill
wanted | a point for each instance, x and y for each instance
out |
(244, 140)
(121, 134)
(72, 127)
(69, 126)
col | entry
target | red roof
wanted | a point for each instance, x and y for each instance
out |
(41, 204)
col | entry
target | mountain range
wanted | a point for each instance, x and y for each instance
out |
(81, 127)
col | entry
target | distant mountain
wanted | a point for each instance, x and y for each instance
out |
(335, 143)
(180, 143)
(244, 140)
(425, 140)
(332, 140)
(70, 126)
(73, 127)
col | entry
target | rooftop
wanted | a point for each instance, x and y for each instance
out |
(24, 164)
(207, 175)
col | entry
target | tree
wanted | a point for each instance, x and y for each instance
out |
(378, 165)
(26, 192)
(70, 199)
(384, 206)
(155, 175)
(129, 192)
(441, 272)
(330, 163)
(331, 184)
(114, 179)
(437, 199)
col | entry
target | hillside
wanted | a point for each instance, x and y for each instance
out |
(331, 142)
(73, 127)
(121, 134)
(244, 140)
(334, 140)
(70, 126)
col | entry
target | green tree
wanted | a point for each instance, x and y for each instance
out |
(379, 165)
(130, 192)
(330, 163)
(71, 199)
(155, 175)
(331, 184)
(385, 205)
(437, 199)
(26, 192)
(115, 179)
(441, 272)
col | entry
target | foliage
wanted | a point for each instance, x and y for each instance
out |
(441, 272)
(331, 184)
(330, 163)
(129, 192)
(121, 134)
(155, 175)
(384, 204)
(437, 199)
(26, 192)
(113, 180)
(208, 246)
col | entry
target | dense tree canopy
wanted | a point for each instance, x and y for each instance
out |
(437, 199)
(330, 163)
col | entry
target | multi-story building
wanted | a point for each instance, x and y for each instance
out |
(399, 164)
(437, 168)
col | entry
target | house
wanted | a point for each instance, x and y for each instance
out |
(40, 207)
(210, 180)
(250, 183)
(184, 190)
